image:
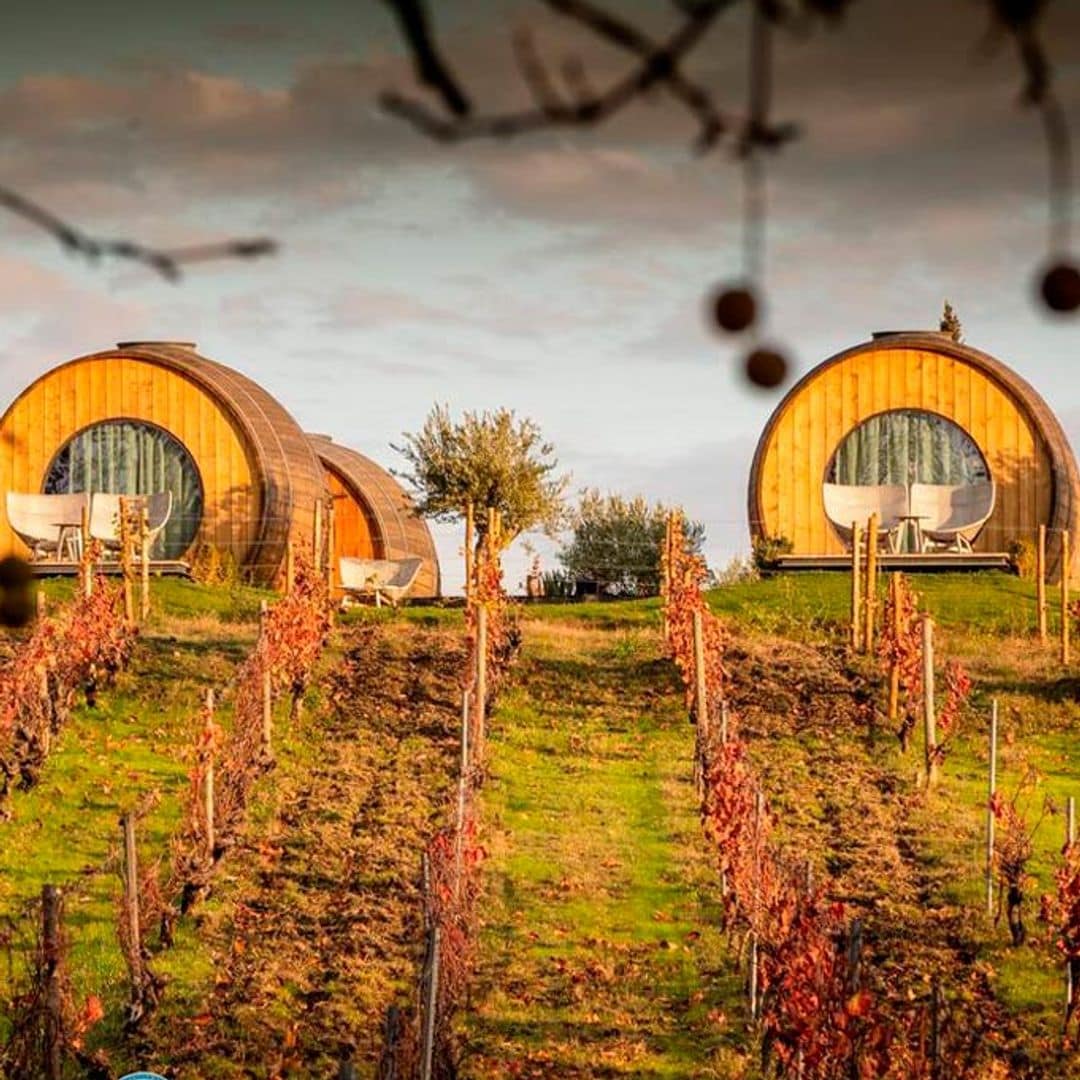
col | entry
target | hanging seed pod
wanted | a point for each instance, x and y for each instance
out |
(734, 308)
(1060, 287)
(16, 598)
(766, 368)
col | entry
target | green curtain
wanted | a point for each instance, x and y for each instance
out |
(908, 446)
(127, 457)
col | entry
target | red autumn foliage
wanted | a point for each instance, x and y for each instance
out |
(900, 645)
(84, 645)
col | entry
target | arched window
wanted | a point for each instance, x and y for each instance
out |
(131, 457)
(907, 446)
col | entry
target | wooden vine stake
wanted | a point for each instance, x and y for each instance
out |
(856, 588)
(871, 582)
(1040, 582)
(267, 684)
(51, 941)
(144, 564)
(431, 1006)
(208, 786)
(317, 537)
(86, 569)
(1070, 839)
(701, 704)
(894, 663)
(481, 677)
(1065, 597)
(131, 890)
(463, 785)
(125, 560)
(992, 786)
(470, 539)
(929, 716)
(290, 566)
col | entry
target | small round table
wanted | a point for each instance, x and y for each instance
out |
(70, 538)
(911, 530)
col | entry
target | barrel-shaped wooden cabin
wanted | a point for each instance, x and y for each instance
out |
(373, 516)
(914, 412)
(150, 417)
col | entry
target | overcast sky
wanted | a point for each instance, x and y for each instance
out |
(561, 275)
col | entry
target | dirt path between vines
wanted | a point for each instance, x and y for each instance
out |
(599, 954)
(314, 928)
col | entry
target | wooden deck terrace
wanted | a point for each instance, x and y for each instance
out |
(911, 562)
(111, 568)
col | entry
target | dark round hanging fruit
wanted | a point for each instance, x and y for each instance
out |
(734, 309)
(1060, 287)
(766, 368)
(16, 597)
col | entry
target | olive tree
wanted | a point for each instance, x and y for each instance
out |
(488, 459)
(616, 542)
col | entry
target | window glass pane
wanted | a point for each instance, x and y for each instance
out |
(907, 446)
(128, 457)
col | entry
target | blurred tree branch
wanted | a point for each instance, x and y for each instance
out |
(168, 262)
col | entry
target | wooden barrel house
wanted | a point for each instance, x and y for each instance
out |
(373, 516)
(151, 416)
(917, 422)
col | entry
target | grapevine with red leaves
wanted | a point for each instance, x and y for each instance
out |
(79, 648)
(900, 653)
(1061, 910)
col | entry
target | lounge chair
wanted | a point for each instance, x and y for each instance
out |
(391, 578)
(105, 515)
(952, 514)
(43, 522)
(847, 503)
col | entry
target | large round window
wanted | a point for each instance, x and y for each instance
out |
(907, 446)
(131, 457)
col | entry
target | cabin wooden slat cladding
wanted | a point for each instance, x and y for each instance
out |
(259, 477)
(1025, 449)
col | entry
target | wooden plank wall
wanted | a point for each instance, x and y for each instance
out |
(849, 391)
(354, 533)
(79, 394)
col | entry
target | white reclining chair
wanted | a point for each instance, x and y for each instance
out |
(41, 521)
(952, 514)
(105, 515)
(391, 578)
(847, 503)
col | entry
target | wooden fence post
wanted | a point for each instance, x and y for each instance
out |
(431, 1006)
(856, 587)
(41, 603)
(753, 980)
(317, 537)
(267, 684)
(144, 564)
(929, 716)
(330, 541)
(290, 566)
(989, 812)
(1040, 582)
(1070, 820)
(894, 664)
(1065, 597)
(481, 678)
(935, 1031)
(871, 581)
(723, 722)
(208, 786)
(463, 782)
(54, 1001)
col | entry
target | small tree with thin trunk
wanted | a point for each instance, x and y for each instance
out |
(488, 459)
